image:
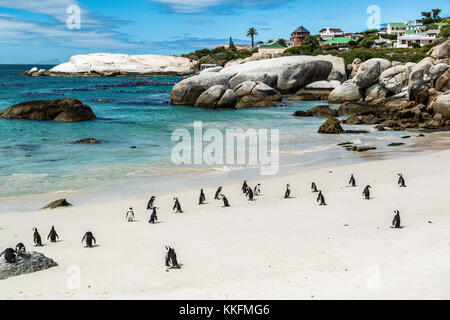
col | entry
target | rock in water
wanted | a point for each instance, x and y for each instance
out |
(63, 110)
(348, 91)
(87, 141)
(331, 126)
(107, 64)
(28, 263)
(57, 204)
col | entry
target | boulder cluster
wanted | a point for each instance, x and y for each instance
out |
(27, 263)
(259, 83)
(396, 95)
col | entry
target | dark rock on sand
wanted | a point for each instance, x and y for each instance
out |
(57, 204)
(64, 110)
(355, 131)
(28, 263)
(87, 141)
(360, 148)
(301, 113)
(395, 144)
(343, 144)
(322, 111)
(331, 126)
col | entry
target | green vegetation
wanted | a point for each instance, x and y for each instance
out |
(445, 32)
(219, 55)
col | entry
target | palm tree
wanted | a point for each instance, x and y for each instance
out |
(252, 33)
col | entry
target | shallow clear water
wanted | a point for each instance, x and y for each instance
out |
(38, 157)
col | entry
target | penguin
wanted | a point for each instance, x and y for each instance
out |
(401, 181)
(20, 249)
(202, 197)
(153, 217)
(171, 258)
(130, 215)
(257, 190)
(249, 194)
(150, 203)
(177, 206)
(52, 235)
(89, 237)
(216, 197)
(287, 194)
(396, 221)
(37, 238)
(225, 201)
(314, 187)
(321, 199)
(352, 181)
(244, 187)
(366, 192)
(10, 255)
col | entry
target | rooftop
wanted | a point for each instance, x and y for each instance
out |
(274, 45)
(339, 40)
(397, 24)
(301, 29)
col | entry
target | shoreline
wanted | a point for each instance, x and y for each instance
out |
(270, 248)
(145, 184)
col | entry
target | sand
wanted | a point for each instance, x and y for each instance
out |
(272, 248)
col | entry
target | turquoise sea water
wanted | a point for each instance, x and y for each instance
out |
(38, 157)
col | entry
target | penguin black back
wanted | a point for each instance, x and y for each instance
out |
(216, 196)
(225, 201)
(89, 238)
(153, 217)
(366, 192)
(10, 255)
(352, 181)
(52, 235)
(171, 258)
(202, 197)
(150, 203)
(37, 238)
(396, 222)
(287, 194)
(401, 181)
(249, 194)
(314, 187)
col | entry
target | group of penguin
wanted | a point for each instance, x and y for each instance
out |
(170, 256)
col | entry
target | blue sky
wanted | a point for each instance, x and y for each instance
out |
(35, 31)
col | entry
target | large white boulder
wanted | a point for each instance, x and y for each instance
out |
(348, 91)
(124, 64)
(369, 72)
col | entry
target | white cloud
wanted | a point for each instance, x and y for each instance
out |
(198, 6)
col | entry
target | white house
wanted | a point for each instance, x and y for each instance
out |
(330, 33)
(406, 41)
(396, 28)
(415, 26)
(402, 28)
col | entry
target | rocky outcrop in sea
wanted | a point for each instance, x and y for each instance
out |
(116, 65)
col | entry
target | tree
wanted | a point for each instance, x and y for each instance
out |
(252, 33)
(445, 32)
(426, 14)
(281, 42)
(231, 45)
(436, 13)
(312, 42)
(366, 42)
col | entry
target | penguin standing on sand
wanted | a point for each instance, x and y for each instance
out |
(177, 206)
(10, 255)
(314, 187)
(37, 238)
(130, 215)
(396, 221)
(89, 237)
(352, 181)
(216, 197)
(150, 203)
(153, 217)
(401, 181)
(202, 197)
(52, 235)
(171, 258)
(249, 194)
(20, 249)
(225, 201)
(366, 192)
(244, 187)
(287, 194)
(321, 199)
(257, 190)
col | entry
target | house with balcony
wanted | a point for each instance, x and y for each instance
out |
(396, 28)
(330, 33)
(415, 26)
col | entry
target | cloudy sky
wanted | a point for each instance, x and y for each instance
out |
(36, 31)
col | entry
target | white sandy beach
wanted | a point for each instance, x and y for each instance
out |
(272, 248)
